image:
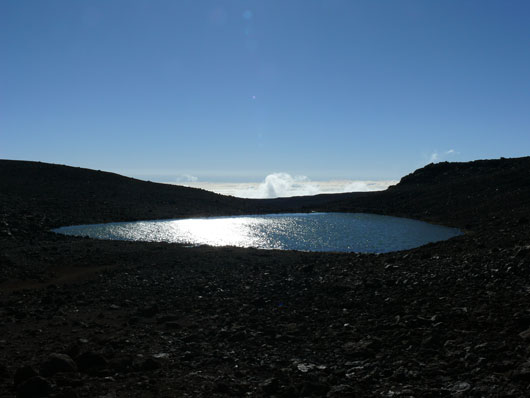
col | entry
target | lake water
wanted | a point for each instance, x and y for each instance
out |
(341, 232)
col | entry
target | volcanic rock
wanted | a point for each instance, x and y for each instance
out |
(91, 362)
(57, 363)
(34, 387)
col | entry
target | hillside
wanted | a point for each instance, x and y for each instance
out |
(65, 194)
(461, 194)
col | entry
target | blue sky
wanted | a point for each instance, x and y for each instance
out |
(236, 90)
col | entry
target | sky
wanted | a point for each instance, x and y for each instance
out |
(235, 91)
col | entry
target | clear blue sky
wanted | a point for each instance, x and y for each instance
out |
(235, 90)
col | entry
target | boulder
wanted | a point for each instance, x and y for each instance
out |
(34, 387)
(90, 362)
(57, 363)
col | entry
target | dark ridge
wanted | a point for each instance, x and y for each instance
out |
(446, 172)
(71, 195)
(460, 194)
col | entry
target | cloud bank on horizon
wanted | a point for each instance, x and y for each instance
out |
(278, 185)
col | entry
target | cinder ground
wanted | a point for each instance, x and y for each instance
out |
(88, 318)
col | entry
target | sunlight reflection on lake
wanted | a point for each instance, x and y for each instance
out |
(342, 232)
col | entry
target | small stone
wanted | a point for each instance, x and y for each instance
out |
(461, 386)
(34, 387)
(291, 327)
(341, 390)
(270, 386)
(173, 325)
(122, 364)
(151, 364)
(303, 368)
(523, 372)
(91, 362)
(522, 252)
(57, 363)
(161, 355)
(68, 379)
(525, 335)
(149, 311)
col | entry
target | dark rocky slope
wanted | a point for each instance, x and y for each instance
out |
(86, 318)
(460, 194)
(457, 193)
(66, 195)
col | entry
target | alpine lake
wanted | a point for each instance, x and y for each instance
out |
(320, 232)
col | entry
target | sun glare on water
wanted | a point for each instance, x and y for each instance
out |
(366, 233)
(243, 232)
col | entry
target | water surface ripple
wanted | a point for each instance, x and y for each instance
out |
(341, 232)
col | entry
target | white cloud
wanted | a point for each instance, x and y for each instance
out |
(186, 178)
(434, 157)
(439, 157)
(279, 185)
(284, 185)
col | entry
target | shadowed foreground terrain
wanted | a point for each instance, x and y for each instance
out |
(88, 318)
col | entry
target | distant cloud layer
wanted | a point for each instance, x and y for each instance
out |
(186, 178)
(285, 185)
(280, 185)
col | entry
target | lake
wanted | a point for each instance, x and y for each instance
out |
(323, 232)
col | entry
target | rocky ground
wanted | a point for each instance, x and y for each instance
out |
(88, 318)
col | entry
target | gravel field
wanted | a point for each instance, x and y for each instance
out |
(88, 318)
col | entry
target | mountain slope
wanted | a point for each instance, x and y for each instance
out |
(69, 195)
(455, 193)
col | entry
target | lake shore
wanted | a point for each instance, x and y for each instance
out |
(161, 320)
